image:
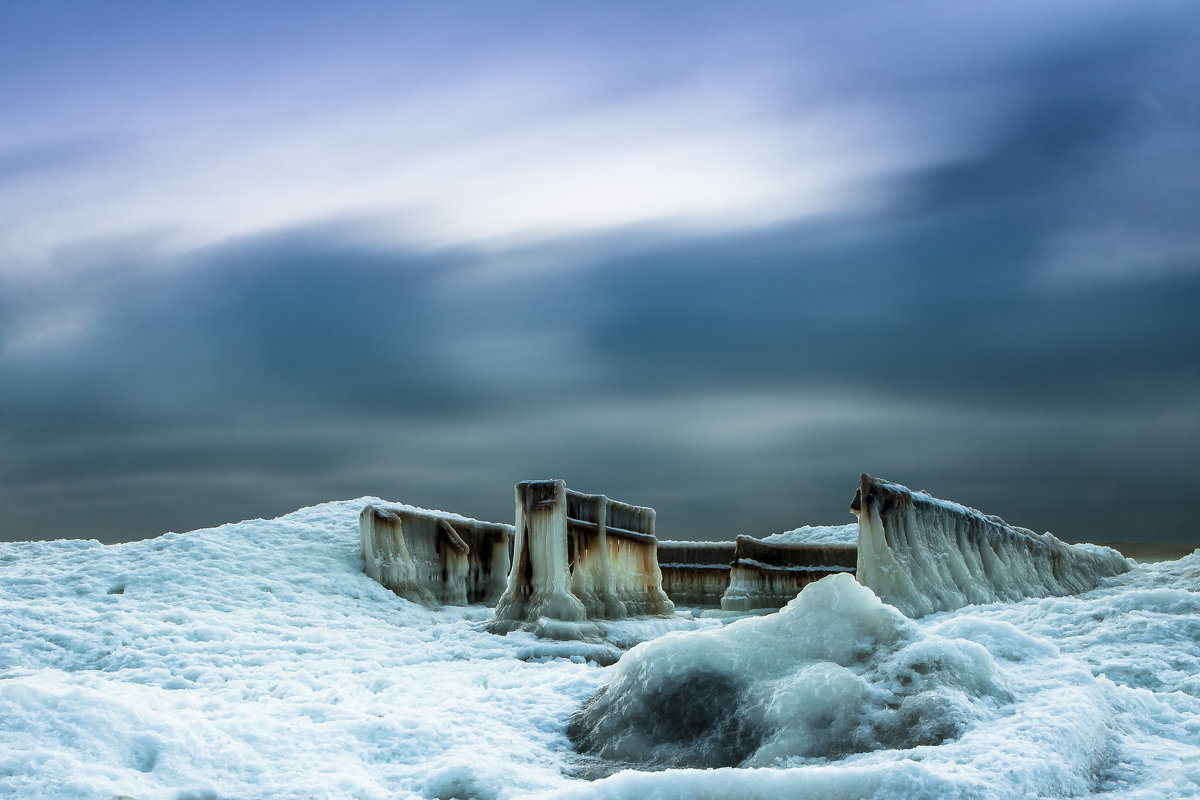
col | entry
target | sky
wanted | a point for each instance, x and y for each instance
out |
(714, 258)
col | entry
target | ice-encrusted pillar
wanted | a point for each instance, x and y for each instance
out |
(579, 557)
(539, 584)
(587, 553)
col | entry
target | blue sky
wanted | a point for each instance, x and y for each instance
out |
(714, 258)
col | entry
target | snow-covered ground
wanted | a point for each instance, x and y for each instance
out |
(817, 534)
(255, 660)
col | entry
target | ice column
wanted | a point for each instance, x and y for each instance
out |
(579, 556)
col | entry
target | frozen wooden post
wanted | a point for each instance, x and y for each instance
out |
(581, 556)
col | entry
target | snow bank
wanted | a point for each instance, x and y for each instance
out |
(841, 696)
(257, 661)
(922, 554)
(817, 534)
(433, 557)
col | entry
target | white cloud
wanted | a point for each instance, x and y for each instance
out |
(508, 158)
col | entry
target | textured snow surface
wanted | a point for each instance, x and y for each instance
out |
(255, 660)
(817, 534)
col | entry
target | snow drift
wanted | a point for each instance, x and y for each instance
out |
(922, 554)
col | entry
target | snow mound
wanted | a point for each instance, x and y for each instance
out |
(841, 696)
(835, 672)
(817, 534)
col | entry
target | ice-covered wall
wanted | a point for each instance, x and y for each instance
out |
(923, 555)
(695, 573)
(765, 574)
(579, 556)
(432, 557)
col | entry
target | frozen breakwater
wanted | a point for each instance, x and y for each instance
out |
(922, 554)
(433, 557)
(769, 574)
(578, 557)
(695, 573)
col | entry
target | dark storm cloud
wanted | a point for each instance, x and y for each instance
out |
(250, 371)
(949, 305)
(256, 377)
(248, 325)
(950, 295)
(957, 338)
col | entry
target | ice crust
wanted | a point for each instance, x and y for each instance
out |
(922, 554)
(257, 661)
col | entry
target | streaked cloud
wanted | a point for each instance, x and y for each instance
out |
(716, 260)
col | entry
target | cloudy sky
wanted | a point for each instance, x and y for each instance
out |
(716, 258)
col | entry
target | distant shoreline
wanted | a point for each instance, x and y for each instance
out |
(1152, 551)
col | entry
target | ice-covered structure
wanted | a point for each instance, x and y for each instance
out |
(580, 556)
(748, 573)
(433, 557)
(923, 555)
(695, 573)
(767, 574)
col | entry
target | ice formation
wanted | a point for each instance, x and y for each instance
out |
(580, 556)
(924, 555)
(835, 672)
(695, 573)
(768, 574)
(433, 557)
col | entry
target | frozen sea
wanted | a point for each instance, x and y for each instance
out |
(256, 660)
